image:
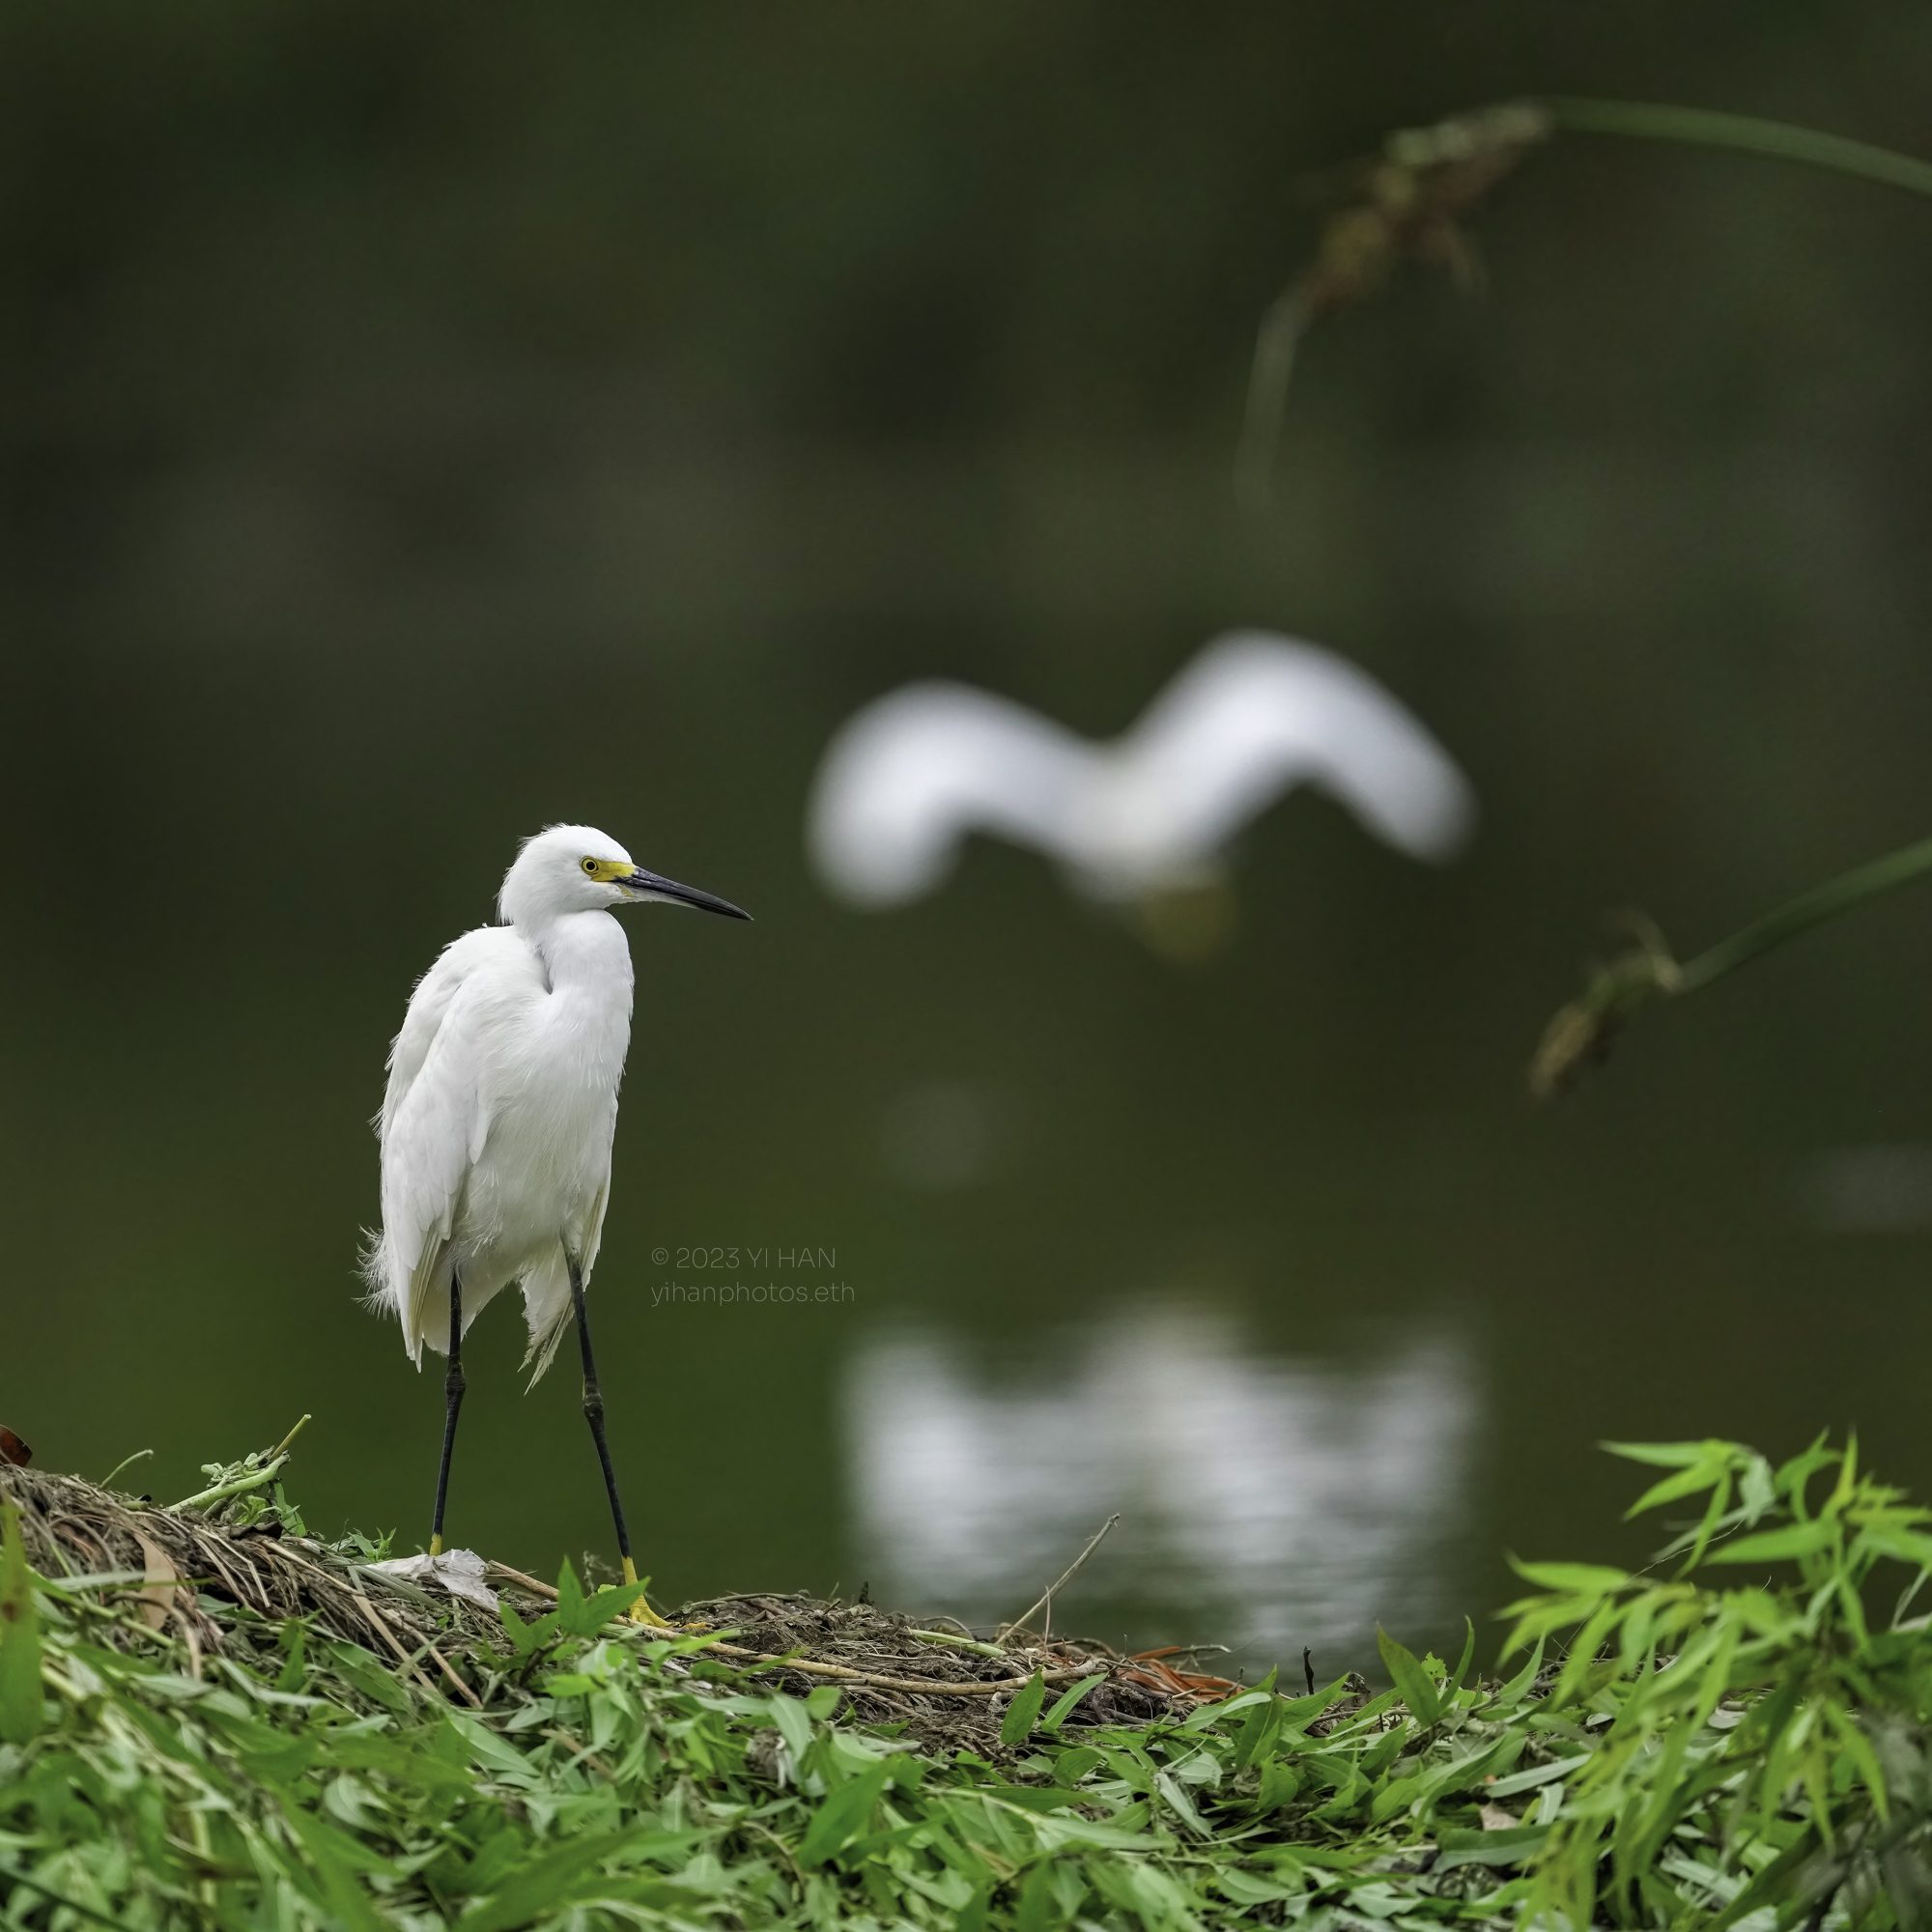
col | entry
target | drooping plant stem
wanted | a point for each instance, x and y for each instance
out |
(1827, 901)
(1410, 200)
(1743, 134)
(1581, 1033)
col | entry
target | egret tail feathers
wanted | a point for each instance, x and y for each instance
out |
(543, 1346)
(422, 1302)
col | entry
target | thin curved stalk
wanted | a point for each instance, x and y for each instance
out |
(1808, 909)
(1413, 198)
(1581, 1033)
(1742, 133)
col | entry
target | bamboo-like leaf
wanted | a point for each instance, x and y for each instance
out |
(1675, 1454)
(1721, 1498)
(526, 1891)
(1858, 1747)
(1065, 1704)
(1583, 1655)
(1579, 1580)
(1021, 1715)
(1411, 1682)
(1793, 1476)
(1779, 1546)
(842, 1816)
(1517, 1688)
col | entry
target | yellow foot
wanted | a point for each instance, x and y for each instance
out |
(436, 1546)
(641, 1612)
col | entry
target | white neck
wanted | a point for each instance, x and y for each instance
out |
(584, 953)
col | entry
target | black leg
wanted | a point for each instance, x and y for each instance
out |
(453, 1387)
(593, 1413)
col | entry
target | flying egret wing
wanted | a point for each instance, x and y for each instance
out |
(1255, 715)
(911, 775)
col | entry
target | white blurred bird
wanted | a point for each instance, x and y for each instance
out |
(497, 1122)
(1253, 715)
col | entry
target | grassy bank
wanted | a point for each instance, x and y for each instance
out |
(1702, 1754)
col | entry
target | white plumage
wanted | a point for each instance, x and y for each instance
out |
(502, 1097)
(908, 778)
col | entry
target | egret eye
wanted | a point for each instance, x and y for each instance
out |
(590, 866)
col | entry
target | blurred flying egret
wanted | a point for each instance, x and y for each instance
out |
(496, 1125)
(1253, 715)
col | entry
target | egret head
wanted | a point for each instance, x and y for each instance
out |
(568, 869)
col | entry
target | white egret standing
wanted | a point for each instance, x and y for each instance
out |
(502, 1104)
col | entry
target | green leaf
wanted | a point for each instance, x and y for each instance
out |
(972, 1913)
(1795, 1474)
(1016, 1726)
(1301, 1711)
(569, 1592)
(1038, 1910)
(1574, 1579)
(590, 1614)
(485, 1746)
(793, 1722)
(1769, 1882)
(1490, 1848)
(533, 1889)
(1410, 1680)
(1258, 1732)
(1032, 1797)
(22, 1706)
(1686, 1483)
(1779, 1546)
(527, 1639)
(1673, 1454)
(295, 1672)
(1064, 1705)
(1713, 1516)
(363, 1669)
(1517, 1688)
(842, 1815)
(336, 1858)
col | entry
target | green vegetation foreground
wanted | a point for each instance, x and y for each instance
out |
(1696, 1756)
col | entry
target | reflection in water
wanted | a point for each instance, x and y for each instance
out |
(1273, 1503)
(1886, 1189)
(943, 1134)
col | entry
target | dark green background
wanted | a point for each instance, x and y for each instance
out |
(424, 422)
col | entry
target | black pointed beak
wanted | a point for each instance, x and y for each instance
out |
(649, 886)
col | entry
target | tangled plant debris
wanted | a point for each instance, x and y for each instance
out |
(213, 1722)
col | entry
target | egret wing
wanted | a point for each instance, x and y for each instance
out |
(910, 776)
(1256, 714)
(428, 1003)
(435, 1120)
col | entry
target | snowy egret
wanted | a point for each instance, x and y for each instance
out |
(497, 1124)
(1254, 715)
